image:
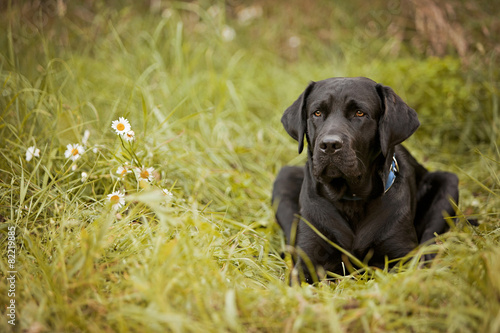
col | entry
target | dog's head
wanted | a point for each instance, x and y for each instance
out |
(348, 123)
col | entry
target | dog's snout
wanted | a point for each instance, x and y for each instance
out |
(331, 144)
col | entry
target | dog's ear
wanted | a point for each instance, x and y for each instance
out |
(397, 122)
(295, 118)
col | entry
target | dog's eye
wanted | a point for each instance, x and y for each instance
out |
(317, 113)
(360, 113)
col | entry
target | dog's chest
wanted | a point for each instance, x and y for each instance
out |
(354, 212)
(365, 221)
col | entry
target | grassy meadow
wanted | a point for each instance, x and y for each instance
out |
(194, 247)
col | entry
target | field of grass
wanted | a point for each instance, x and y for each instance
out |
(204, 85)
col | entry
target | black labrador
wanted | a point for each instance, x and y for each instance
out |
(360, 188)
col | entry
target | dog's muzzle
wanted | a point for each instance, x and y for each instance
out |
(334, 158)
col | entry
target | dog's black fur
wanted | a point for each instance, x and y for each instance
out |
(354, 127)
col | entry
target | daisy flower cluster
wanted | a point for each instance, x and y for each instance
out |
(141, 173)
(73, 151)
(144, 175)
(130, 164)
(124, 130)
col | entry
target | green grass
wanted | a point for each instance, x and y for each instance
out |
(206, 114)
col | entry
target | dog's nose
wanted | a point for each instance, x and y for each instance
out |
(331, 144)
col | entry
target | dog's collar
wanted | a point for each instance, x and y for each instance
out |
(393, 171)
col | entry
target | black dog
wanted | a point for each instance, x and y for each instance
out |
(360, 188)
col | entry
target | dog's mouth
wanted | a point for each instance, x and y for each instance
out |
(337, 173)
(339, 184)
(333, 170)
(337, 188)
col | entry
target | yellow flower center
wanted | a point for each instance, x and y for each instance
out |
(114, 199)
(144, 174)
(120, 127)
(124, 172)
(74, 152)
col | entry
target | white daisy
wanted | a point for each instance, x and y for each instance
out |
(122, 171)
(86, 136)
(117, 199)
(121, 126)
(228, 33)
(167, 193)
(32, 152)
(145, 173)
(85, 176)
(73, 151)
(129, 136)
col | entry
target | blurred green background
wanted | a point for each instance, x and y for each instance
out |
(204, 84)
